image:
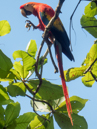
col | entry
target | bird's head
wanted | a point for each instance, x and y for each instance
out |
(27, 9)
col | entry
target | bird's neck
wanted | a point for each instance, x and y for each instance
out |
(35, 12)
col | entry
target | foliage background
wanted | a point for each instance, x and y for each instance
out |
(81, 43)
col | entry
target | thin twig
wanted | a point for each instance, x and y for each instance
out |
(41, 67)
(45, 54)
(40, 101)
(33, 100)
(56, 69)
(36, 112)
(30, 90)
(71, 19)
(36, 68)
(43, 101)
(51, 22)
(38, 55)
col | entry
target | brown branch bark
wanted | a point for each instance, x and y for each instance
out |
(43, 101)
(30, 90)
(56, 69)
(36, 68)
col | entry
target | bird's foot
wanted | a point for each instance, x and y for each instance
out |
(29, 24)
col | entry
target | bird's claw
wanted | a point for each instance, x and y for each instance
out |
(29, 24)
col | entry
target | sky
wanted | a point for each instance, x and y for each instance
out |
(82, 41)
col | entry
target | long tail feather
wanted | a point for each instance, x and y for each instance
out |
(59, 58)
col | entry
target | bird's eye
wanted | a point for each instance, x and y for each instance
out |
(27, 5)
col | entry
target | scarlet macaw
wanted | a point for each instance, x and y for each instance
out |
(44, 13)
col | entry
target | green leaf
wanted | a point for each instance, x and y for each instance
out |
(6, 79)
(23, 120)
(55, 103)
(86, 60)
(12, 112)
(50, 125)
(1, 113)
(94, 70)
(11, 76)
(77, 104)
(15, 89)
(39, 123)
(14, 74)
(89, 21)
(41, 60)
(64, 122)
(2, 122)
(20, 69)
(74, 73)
(91, 9)
(6, 102)
(88, 80)
(89, 24)
(4, 27)
(27, 62)
(79, 122)
(48, 90)
(39, 66)
(39, 106)
(31, 48)
(3, 94)
(93, 52)
(43, 107)
(5, 65)
(12, 125)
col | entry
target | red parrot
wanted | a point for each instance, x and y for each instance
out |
(44, 13)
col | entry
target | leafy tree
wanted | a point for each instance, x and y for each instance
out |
(47, 97)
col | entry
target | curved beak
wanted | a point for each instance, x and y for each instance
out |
(23, 12)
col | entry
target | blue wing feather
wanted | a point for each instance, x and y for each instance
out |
(60, 35)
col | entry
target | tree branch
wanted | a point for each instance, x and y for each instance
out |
(56, 69)
(71, 19)
(51, 22)
(48, 27)
(36, 68)
(30, 90)
(42, 101)
(36, 112)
